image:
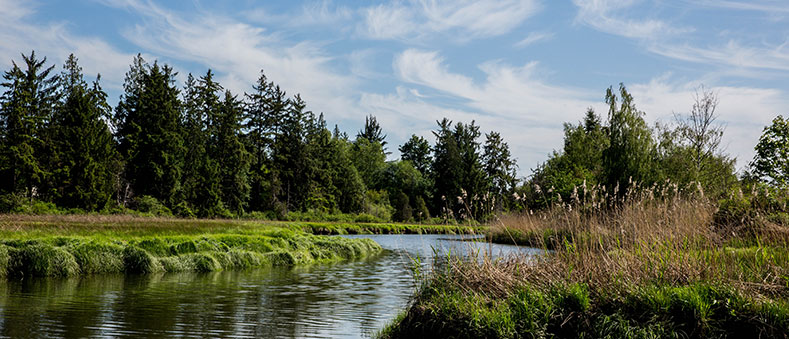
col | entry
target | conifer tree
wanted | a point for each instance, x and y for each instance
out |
(84, 175)
(500, 170)
(372, 132)
(149, 133)
(27, 106)
(417, 151)
(231, 155)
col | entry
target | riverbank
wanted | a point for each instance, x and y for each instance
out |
(647, 269)
(67, 245)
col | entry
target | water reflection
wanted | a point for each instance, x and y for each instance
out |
(341, 300)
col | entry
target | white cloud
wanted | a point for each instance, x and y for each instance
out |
(768, 6)
(472, 19)
(21, 34)
(388, 21)
(731, 54)
(533, 38)
(507, 92)
(238, 51)
(606, 16)
(527, 110)
(743, 110)
(670, 40)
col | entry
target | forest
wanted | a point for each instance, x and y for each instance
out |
(198, 150)
(201, 151)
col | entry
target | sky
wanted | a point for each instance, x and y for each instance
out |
(518, 67)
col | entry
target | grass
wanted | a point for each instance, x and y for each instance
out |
(73, 245)
(642, 267)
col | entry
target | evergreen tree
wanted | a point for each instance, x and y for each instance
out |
(417, 151)
(290, 155)
(87, 159)
(372, 132)
(231, 155)
(149, 133)
(500, 169)
(27, 107)
(458, 174)
(265, 111)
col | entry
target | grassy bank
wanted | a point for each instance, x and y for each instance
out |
(646, 269)
(64, 245)
(67, 246)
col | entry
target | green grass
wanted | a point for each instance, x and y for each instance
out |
(576, 311)
(68, 246)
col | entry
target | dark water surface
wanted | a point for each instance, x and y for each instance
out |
(350, 299)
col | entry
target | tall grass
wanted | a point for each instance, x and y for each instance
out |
(651, 262)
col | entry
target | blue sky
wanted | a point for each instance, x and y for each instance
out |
(520, 67)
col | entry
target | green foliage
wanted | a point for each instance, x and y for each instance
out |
(459, 179)
(27, 106)
(417, 151)
(121, 253)
(369, 159)
(571, 311)
(500, 170)
(87, 161)
(771, 161)
(151, 205)
(150, 139)
(631, 149)
(372, 132)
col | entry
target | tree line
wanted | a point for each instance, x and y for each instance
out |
(201, 151)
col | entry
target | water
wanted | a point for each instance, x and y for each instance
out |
(351, 299)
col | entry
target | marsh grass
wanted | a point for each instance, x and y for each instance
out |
(645, 265)
(73, 245)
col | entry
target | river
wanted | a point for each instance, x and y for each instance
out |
(342, 300)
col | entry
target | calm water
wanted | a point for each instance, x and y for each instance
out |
(351, 299)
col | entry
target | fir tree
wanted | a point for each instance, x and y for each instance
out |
(27, 107)
(149, 131)
(87, 159)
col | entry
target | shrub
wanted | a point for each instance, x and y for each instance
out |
(149, 204)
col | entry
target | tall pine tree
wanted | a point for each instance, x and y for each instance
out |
(149, 132)
(87, 159)
(27, 107)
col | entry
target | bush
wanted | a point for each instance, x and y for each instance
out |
(149, 204)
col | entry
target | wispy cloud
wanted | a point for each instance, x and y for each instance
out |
(731, 54)
(766, 6)
(417, 18)
(21, 33)
(527, 110)
(610, 16)
(533, 38)
(238, 51)
(680, 43)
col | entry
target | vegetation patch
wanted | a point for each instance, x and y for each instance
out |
(52, 252)
(645, 267)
